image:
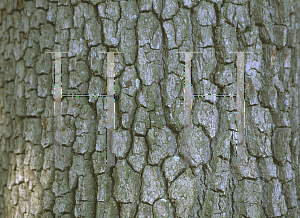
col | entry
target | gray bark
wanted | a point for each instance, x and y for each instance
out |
(151, 177)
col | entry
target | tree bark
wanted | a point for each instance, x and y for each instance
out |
(165, 165)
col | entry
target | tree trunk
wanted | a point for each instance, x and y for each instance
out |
(168, 162)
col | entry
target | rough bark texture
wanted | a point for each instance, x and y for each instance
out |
(150, 178)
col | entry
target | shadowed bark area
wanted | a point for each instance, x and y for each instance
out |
(151, 177)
